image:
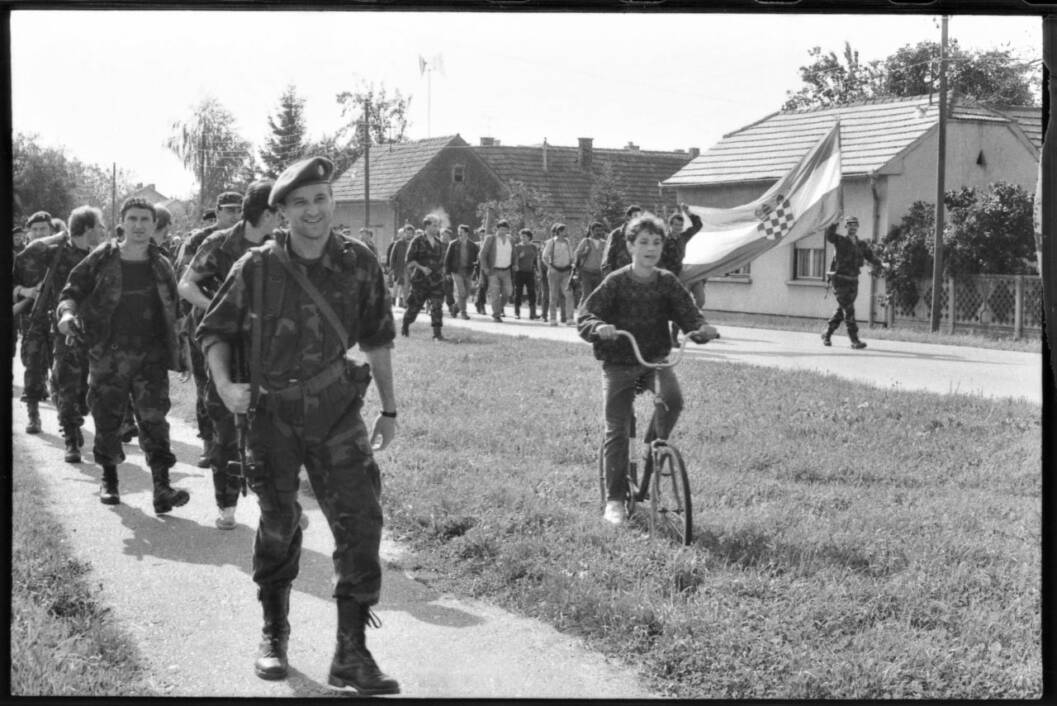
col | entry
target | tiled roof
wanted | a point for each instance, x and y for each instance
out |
(872, 134)
(392, 167)
(1029, 119)
(636, 173)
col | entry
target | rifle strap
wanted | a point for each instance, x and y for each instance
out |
(256, 334)
(317, 298)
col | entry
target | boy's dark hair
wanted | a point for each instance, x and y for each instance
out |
(464, 228)
(632, 209)
(39, 217)
(503, 224)
(162, 217)
(646, 222)
(525, 231)
(82, 218)
(676, 216)
(138, 202)
(255, 202)
(596, 224)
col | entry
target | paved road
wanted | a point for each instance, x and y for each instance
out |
(889, 364)
(182, 589)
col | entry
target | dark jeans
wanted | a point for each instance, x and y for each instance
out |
(525, 282)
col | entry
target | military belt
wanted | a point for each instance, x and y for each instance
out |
(313, 385)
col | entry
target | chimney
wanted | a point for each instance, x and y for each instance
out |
(544, 154)
(487, 142)
(586, 152)
(631, 146)
(695, 153)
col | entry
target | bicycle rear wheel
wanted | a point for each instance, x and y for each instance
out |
(671, 513)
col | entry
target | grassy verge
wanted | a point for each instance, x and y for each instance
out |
(998, 341)
(851, 542)
(63, 642)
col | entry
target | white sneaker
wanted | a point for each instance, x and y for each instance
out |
(614, 513)
(226, 519)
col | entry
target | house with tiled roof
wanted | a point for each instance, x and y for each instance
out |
(888, 160)
(565, 175)
(404, 182)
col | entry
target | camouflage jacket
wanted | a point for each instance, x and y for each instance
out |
(186, 253)
(94, 289)
(213, 260)
(56, 252)
(423, 251)
(300, 341)
(850, 255)
(615, 255)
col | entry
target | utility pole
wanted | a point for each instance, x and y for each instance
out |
(941, 164)
(113, 199)
(367, 162)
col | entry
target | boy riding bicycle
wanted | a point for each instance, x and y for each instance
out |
(642, 299)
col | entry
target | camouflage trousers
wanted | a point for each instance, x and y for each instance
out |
(326, 434)
(226, 488)
(429, 289)
(136, 368)
(845, 294)
(201, 378)
(69, 381)
(36, 358)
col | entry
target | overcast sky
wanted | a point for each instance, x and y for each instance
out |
(108, 85)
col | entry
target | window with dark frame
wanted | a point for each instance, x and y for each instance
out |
(458, 173)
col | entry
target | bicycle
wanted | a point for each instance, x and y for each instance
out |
(665, 483)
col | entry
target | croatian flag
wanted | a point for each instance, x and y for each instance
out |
(804, 201)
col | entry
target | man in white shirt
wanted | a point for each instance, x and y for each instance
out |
(558, 257)
(497, 258)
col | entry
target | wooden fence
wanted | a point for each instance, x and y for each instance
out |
(1003, 304)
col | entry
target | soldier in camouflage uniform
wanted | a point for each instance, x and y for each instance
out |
(125, 295)
(425, 272)
(39, 273)
(207, 271)
(228, 212)
(309, 410)
(850, 255)
(18, 244)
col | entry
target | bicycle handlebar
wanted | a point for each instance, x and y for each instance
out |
(672, 361)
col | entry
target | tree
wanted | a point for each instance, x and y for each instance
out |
(342, 152)
(992, 76)
(986, 231)
(606, 200)
(832, 80)
(524, 207)
(209, 145)
(286, 143)
(41, 178)
(387, 117)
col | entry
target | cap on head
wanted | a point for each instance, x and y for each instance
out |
(502, 224)
(851, 219)
(557, 228)
(314, 170)
(229, 198)
(597, 224)
(39, 217)
(632, 210)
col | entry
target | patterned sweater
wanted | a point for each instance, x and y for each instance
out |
(641, 308)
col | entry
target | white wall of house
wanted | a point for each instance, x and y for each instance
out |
(382, 220)
(772, 286)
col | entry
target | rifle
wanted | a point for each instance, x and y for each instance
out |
(45, 283)
(76, 335)
(238, 468)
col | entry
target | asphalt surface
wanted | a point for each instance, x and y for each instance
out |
(182, 588)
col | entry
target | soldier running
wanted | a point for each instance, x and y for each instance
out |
(311, 295)
(125, 296)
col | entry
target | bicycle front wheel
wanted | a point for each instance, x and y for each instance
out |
(671, 513)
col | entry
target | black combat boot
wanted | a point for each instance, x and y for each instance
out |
(108, 490)
(33, 427)
(403, 328)
(830, 328)
(275, 636)
(353, 668)
(856, 343)
(72, 435)
(165, 498)
(205, 460)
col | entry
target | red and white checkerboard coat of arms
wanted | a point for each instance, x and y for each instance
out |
(775, 223)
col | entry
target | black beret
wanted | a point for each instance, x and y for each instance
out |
(39, 217)
(229, 198)
(308, 171)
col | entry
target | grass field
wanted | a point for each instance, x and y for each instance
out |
(63, 642)
(851, 542)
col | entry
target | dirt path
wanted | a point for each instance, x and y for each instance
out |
(182, 589)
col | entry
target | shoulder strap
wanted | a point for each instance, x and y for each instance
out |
(256, 335)
(317, 298)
